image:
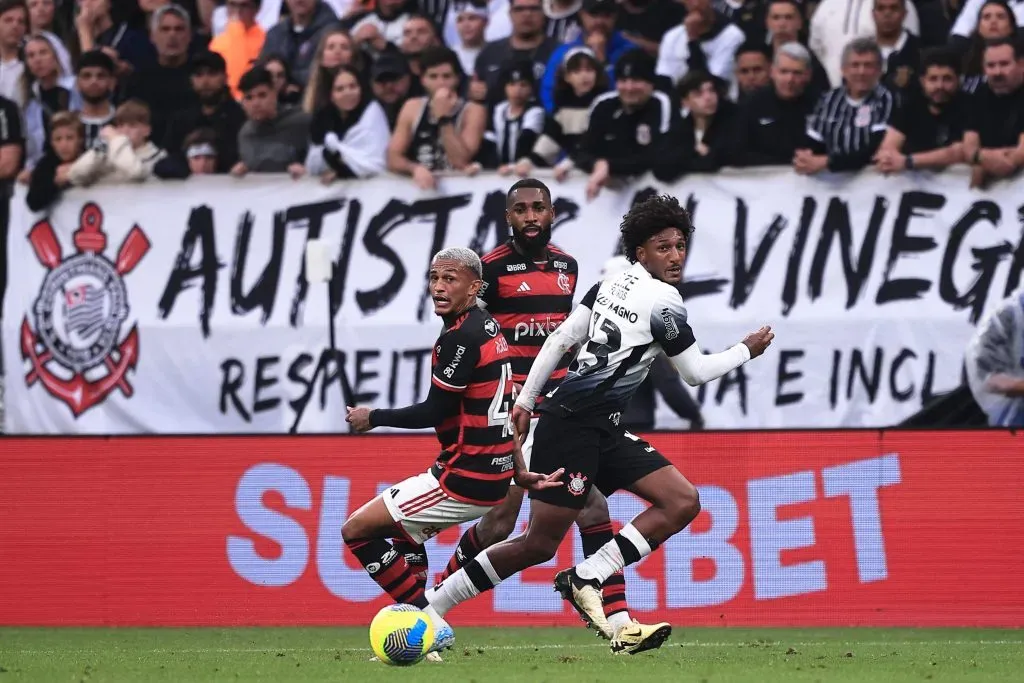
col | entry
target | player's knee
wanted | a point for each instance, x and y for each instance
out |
(595, 511)
(683, 506)
(352, 529)
(540, 548)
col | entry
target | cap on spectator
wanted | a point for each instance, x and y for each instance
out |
(209, 60)
(600, 6)
(389, 66)
(635, 64)
(96, 58)
(201, 142)
(514, 72)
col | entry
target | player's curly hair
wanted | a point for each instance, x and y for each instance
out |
(648, 218)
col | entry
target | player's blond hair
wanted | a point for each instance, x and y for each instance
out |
(467, 258)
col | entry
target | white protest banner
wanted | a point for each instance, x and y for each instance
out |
(182, 308)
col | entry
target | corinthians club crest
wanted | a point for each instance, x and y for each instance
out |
(77, 350)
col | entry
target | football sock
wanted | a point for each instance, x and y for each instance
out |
(627, 546)
(472, 580)
(467, 550)
(416, 555)
(613, 591)
(389, 569)
(619, 620)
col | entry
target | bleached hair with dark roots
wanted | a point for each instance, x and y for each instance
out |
(467, 258)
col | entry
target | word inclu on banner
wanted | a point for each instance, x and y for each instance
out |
(184, 308)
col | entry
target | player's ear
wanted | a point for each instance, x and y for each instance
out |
(474, 287)
(641, 256)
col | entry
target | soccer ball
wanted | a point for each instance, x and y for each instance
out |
(401, 635)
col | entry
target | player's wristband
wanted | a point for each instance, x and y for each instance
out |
(910, 162)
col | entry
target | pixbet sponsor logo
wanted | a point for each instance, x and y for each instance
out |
(534, 328)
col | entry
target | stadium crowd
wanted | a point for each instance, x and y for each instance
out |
(93, 90)
(102, 91)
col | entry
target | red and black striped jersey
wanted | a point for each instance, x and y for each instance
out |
(529, 300)
(472, 358)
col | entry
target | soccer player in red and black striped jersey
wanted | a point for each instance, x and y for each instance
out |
(468, 406)
(528, 287)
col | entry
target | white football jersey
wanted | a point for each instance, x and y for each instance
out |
(634, 317)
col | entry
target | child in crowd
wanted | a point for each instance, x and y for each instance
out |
(53, 172)
(124, 153)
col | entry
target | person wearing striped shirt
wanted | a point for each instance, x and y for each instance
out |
(850, 121)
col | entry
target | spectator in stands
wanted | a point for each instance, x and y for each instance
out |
(563, 19)
(994, 137)
(995, 22)
(753, 64)
(901, 50)
(374, 30)
(275, 138)
(213, 108)
(632, 130)
(440, 131)
(95, 83)
(13, 24)
(128, 47)
(608, 45)
(579, 81)
(390, 82)
(645, 22)
(42, 20)
(836, 22)
(470, 24)
(289, 93)
(166, 87)
(927, 128)
(717, 38)
(197, 156)
(336, 50)
(850, 121)
(418, 35)
(772, 124)
(241, 42)
(515, 123)
(527, 42)
(784, 21)
(969, 19)
(297, 36)
(125, 155)
(51, 90)
(52, 174)
(995, 365)
(348, 135)
(747, 15)
(707, 125)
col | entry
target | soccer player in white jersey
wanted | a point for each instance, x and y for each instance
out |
(622, 324)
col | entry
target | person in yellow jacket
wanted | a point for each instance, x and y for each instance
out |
(241, 41)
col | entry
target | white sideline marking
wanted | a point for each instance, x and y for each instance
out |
(545, 646)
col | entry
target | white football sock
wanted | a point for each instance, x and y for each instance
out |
(450, 592)
(609, 559)
(619, 620)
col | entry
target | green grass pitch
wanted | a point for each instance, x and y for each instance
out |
(482, 655)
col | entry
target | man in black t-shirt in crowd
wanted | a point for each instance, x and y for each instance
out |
(927, 129)
(994, 137)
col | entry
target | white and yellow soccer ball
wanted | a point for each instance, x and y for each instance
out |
(401, 635)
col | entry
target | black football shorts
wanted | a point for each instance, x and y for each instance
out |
(594, 452)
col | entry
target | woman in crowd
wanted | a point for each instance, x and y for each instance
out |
(289, 93)
(995, 20)
(336, 50)
(51, 89)
(580, 79)
(348, 135)
(42, 20)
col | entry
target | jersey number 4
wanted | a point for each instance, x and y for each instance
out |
(605, 339)
(498, 415)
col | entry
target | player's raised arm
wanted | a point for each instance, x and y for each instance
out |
(571, 333)
(670, 329)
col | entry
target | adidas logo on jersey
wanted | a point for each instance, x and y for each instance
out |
(523, 287)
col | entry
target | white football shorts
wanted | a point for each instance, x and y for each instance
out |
(423, 509)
